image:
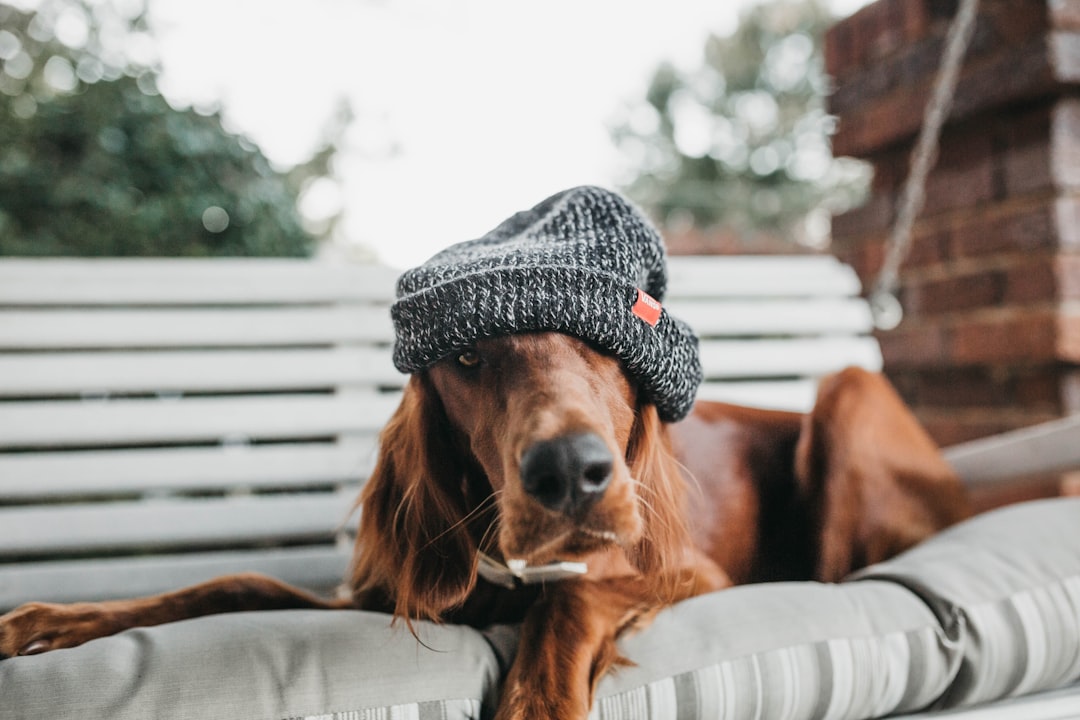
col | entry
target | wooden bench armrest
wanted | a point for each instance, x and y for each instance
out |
(1041, 449)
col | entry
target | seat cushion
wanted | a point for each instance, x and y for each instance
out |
(259, 666)
(987, 610)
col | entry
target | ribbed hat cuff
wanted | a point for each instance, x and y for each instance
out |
(595, 306)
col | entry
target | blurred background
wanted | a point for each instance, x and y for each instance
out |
(384, 130)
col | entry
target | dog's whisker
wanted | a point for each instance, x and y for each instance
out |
(491, 531)
(691, 479)
(643, 501)
(488, 501)
(648, 507)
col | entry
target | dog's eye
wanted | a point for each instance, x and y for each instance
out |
(468, 358)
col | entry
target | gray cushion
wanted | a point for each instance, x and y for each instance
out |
(988, 609)
(259, 666)
(796, 650)
(1006, 585)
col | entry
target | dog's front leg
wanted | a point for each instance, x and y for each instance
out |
(39, 627)
(567, 643)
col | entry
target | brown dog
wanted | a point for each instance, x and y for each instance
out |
(536, 448)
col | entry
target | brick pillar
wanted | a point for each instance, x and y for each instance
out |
(991, 290)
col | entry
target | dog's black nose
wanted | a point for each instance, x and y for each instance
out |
(568, 473)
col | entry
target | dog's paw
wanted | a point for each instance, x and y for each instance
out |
(34, 628)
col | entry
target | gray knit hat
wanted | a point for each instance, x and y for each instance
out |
(584, 262)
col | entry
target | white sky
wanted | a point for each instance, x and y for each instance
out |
(494, 104)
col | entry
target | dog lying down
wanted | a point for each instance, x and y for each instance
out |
(548, 466)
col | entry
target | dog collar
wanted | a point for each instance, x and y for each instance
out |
(514, 573)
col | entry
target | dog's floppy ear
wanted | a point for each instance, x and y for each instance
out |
(414, 555)
(874, 480)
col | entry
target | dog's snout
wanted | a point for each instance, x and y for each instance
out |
(569, 473)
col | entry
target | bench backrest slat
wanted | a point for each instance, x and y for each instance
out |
(228, 420)
(179, 282)
(214, 326)
(740, 317)
(102, 374)
(757, 277)
(792, 357)
(91, 473)
(178, 522)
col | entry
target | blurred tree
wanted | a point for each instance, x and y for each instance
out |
(94, 161)
(313, 177)
(743, 141)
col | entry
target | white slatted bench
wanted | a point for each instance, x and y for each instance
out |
(771, 326)
(165, 421)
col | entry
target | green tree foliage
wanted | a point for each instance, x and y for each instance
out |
(94, 161)
(743, 140)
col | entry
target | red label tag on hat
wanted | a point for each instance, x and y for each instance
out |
(647, 308)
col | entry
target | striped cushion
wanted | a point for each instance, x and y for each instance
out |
(850, 678)
(430, 710)
(987, 610)
(1007, 586)
(339, 665)
(792, 650)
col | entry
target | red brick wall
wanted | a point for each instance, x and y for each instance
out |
(991, 290)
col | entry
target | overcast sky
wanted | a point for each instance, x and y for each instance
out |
(491, 104)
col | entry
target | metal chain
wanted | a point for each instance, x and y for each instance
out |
(884, 304)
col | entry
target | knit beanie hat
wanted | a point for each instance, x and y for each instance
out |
(584, 262)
